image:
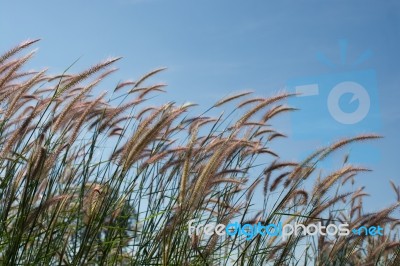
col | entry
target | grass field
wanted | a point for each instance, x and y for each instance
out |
(110, 179)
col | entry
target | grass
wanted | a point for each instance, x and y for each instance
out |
(110, 180)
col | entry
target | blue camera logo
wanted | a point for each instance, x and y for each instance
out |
(336, 105)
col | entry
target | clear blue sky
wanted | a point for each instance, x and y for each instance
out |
(215, 47)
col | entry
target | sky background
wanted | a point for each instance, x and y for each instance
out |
(212, 48)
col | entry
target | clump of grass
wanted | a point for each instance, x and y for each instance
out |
(110, 179)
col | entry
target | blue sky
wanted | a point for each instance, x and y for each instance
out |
(212, 48)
